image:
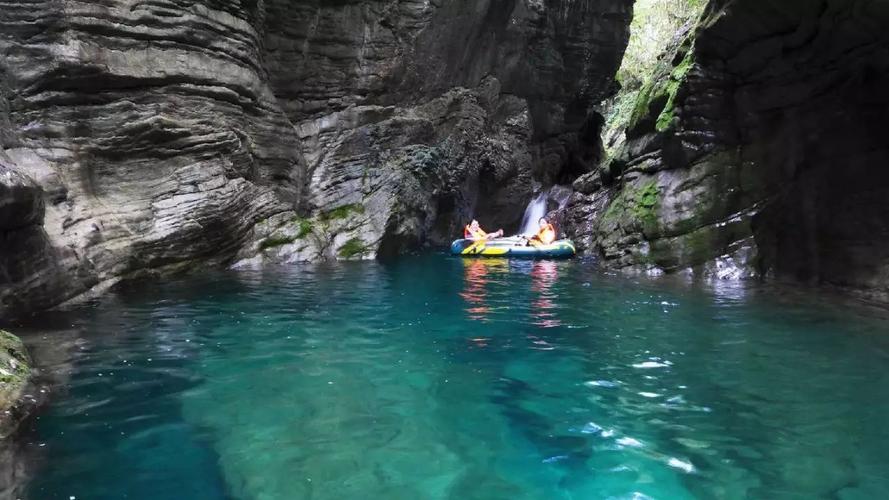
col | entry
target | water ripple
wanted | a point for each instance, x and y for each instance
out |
(436, 377)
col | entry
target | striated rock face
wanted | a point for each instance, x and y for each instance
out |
(756, 149)
(168, 134)
(150, 128)
(415, 116)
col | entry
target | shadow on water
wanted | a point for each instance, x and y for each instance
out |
(442, 377)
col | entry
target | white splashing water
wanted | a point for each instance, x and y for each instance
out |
(536, 209)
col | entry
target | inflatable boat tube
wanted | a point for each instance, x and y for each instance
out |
(512, 247)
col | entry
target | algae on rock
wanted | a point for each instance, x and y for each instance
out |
(655, 26)
(669, 204)
(762, 125)
(15, 373)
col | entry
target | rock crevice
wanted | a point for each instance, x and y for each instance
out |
(756, 144)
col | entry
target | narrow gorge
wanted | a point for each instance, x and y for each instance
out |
(681, 145)
(154, 137)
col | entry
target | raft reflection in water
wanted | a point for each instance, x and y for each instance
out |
(544, 275)
(477, 273)
(482, 276)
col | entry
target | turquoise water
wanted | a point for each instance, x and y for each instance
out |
(438, 378)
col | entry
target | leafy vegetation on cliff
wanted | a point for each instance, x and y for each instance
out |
(655, 26)
(355, 247)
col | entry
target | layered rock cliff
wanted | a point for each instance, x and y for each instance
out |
(756, 148)
(413, 116)
(155, 136)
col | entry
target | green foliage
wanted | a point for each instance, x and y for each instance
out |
(642, 102)
(640, 204)
(275, 241)
(342, 212)
(645, 74)
(355, 247)
(305, 227)
(646, 201)
(14, 359)
(619, 114)
(658, 95)
(677, 77)
(655, 24)
(616, 208)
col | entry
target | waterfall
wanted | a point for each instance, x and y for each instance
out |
(536, 209)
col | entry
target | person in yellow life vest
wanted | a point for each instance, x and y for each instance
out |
(545, 235)
(474, 232)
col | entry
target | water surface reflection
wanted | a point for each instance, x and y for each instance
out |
(544, 274)
(478, 274)
(441, 378)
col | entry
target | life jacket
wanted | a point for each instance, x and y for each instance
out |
(478, 234)
(547, 234)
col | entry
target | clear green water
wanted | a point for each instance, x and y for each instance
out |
(435, 378)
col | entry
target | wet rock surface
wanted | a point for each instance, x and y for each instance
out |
(15, 374)
(756, 149)
(28, 272)
(30, 373)
(429, 114)
(166, 136)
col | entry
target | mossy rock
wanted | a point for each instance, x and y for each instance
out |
(645, 203)
(342, 212)
(305, 227)
(285, 235)
(635, 206)
(655, 104)
(353, 248)
(671, 90)
(275, 241)
(700, 246)
(15, 372)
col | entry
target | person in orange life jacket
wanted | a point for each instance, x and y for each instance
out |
(545, 235)
(474, 232)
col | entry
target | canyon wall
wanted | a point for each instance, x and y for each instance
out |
(142, 137)
(757, 148)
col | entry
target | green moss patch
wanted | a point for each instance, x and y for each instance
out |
(616, 208)
(639, 203)
(355, 247)
(677, 78)
(275, 241)
(646, 201)
(15, 367)
(342, 212)
(305, 227)
(656, 100)
(654, 25)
